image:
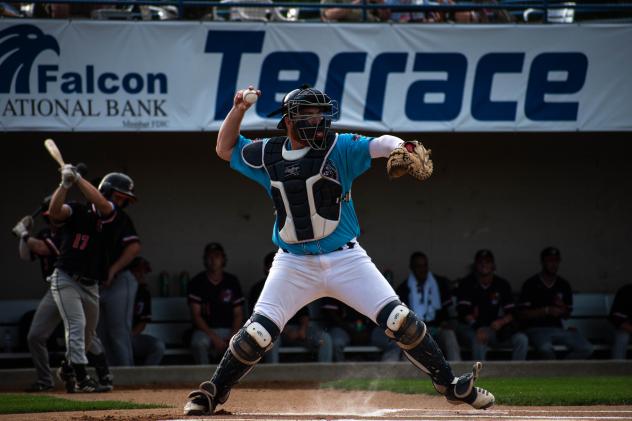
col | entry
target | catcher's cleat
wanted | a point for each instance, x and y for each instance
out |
(463, 390)
(204, 400)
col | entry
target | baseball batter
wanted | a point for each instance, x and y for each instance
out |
(308, 173)
(85, 232)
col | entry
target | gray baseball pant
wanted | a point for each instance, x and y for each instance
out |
(115, 322)
(78, 306)
(44, 323)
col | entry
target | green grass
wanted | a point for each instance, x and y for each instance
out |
(519, 391)
(20, 404)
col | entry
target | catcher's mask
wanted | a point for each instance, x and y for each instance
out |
(311, 112)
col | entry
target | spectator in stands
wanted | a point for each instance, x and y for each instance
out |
(216, 303)
(546, 299)
(429, 296)
(339, 14)
(483, 15)
(486, 310)
(621, 317)
(406, 16)
(429, 16)
(147, 348)
(345, 325)
(300, 331)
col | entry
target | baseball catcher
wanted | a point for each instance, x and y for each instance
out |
(308, 173)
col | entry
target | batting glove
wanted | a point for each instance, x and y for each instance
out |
(69, 176)
(23, 227)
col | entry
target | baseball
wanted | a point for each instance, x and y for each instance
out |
(250, 96)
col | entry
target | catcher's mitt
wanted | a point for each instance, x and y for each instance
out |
(410, 158)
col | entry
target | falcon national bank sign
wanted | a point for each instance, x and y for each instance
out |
(39, 82)
(182, 76)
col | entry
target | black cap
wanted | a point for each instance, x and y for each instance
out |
(484, 254)
(550, 251)
(210, 247)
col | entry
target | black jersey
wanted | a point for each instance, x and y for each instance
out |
(83, 242)
(51, 239)
(486, 304)
(217, 301)
(120, 233)
(536, 294)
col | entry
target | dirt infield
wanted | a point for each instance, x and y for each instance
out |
(307, 402)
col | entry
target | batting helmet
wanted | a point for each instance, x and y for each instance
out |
(310, 131)
(117, 182)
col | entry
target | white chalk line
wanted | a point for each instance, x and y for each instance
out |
(516, 409)
(437, 414)
(464, 418)
(496, 415)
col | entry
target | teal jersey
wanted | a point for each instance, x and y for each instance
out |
(348, 159)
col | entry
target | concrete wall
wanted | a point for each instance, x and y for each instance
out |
(512, 193)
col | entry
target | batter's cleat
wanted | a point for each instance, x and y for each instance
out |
(66, 375)
(463, 390)
(107, 382)
(39, 387)
(89, 385)
(203, 401)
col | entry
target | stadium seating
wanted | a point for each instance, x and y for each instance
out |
(262, 14)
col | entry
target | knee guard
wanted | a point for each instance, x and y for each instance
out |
(402, 325)
(254, 339)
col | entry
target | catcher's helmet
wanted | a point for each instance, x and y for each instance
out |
(308, 130)
(117, 182)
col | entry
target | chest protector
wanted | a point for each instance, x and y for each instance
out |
(304, 188)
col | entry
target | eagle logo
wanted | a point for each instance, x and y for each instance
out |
(19, 47)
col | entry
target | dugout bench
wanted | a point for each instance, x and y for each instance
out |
(172, 323)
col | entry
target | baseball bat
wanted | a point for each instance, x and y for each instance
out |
(81, 168)
(53, 150)
(38, 211)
